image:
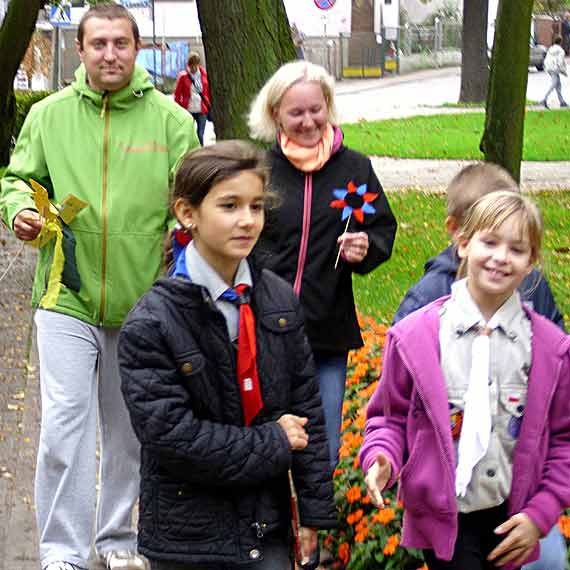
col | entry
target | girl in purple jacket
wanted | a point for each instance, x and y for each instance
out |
(472, 414)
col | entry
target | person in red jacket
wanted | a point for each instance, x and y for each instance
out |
(193, 92)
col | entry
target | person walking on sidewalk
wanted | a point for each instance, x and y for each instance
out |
(219, 379)
(192, 92)
(112, 141)
(555, 65)
(334, 219)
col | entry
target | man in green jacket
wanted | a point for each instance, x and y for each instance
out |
(111, 142)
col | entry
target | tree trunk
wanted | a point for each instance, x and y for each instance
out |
(474, 61)
(15, 34)
(245, 42)
(504, 122)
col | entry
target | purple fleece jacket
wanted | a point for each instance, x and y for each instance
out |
(408, 421)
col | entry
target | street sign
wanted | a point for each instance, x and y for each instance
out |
(324, 4)
(60, 15)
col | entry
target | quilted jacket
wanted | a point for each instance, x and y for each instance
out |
(211, 488)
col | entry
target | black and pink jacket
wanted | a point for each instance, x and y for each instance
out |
(300, 239)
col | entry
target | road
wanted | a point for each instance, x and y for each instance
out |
(419, 93)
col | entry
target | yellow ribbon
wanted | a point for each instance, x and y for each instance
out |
(51, 228)
(49, 299)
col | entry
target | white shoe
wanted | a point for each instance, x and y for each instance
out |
(60, 565)
(124, 560)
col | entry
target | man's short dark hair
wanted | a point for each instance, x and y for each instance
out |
(558, 40)
(109, 11)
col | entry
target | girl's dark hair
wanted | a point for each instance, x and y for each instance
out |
(204, 167)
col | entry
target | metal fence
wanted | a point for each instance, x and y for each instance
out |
(359, 54)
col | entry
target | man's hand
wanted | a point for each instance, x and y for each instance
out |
(522, 536)
(294, 429)
(27, 225)
(376, 479)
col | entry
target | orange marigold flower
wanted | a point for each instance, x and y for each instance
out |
(362, 524)
(345, 424)
(338, 471)
(391, 545)
(360, 536)
(564, 524)
(353, 494)
(354, 517)
(365, 500)
(344, 553)
(356, 463)
(384, 516)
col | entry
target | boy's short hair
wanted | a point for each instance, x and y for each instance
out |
(473, 182)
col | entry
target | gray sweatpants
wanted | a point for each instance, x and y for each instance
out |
(79, 377)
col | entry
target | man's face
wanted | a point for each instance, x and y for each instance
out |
(108, 53)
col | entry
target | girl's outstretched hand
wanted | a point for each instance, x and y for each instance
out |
(294, 428)
(376, 479)
(522, 536)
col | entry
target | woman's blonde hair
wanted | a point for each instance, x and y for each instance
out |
(490, 211)
(261, 120)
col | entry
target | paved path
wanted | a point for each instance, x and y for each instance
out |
(434, 175)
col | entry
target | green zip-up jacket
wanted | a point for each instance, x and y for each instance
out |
(117, 152)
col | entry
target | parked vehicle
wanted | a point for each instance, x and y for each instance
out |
(537, 55)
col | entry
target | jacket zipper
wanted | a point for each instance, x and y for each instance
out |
(105, 115)
(307, 201)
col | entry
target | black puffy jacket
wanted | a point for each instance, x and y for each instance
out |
(211, 488)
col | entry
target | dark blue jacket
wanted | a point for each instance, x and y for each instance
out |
(440, 273)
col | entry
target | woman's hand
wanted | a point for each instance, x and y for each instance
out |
(522, 536)
(294, 429)
(377, 478)
(354, 246)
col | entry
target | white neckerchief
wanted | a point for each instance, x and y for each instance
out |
(476, 427)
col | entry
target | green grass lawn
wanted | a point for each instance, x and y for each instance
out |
(421, 235)
(457, 136)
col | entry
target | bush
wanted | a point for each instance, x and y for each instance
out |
(369, 538)
(24, 100)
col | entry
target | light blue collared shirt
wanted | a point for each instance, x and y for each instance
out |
(202, 273)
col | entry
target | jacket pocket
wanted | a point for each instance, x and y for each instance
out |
(280, 322)
(183, 514)
(190, 363)
(424, 481)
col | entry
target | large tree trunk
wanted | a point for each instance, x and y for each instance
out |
(504, 123)
(474, 61)
(15, 34)
(245, 42)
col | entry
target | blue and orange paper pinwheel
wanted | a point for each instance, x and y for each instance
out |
(354, 200)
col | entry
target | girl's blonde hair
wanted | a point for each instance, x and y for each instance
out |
(490, 211)
(261, 120)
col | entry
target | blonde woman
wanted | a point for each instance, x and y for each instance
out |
(333, 220)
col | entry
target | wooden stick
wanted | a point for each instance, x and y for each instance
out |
(342, 243)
